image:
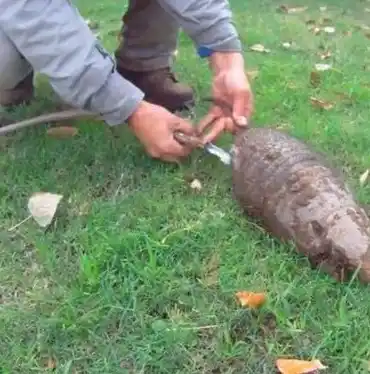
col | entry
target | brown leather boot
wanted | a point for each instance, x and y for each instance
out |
(161, 87)
(20, 94)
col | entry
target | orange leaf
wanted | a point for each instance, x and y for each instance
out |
(62, 132)
(292, 366)
(321, 103)
(251, 299)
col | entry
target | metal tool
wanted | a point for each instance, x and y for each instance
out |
(194, 142)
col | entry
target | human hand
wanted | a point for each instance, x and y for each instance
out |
(154, 126)
(230, 86)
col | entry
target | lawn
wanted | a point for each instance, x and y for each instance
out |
(138, 272)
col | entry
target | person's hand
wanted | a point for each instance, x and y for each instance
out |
(154, 126)
(230, 85)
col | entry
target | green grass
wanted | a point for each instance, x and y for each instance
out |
(138, 272)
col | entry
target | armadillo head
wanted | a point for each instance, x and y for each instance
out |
(349, 235)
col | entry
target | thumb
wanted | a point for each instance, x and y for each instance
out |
(184, 126)
(239, 110)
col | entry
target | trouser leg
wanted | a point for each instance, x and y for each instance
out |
(144, 55)
(16, 74)
(149, 37)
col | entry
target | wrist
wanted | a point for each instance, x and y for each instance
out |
(141, 110)
(221, 61)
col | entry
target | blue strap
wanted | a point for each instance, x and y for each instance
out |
(204, 52)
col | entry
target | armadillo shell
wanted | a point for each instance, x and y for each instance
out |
(299, 198)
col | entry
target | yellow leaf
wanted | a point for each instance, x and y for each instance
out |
(251, 299)
(292, 366)
(62, 132)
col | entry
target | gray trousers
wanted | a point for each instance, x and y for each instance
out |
(145, 45)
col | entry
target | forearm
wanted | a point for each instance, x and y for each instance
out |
(207, 22)
(57, 42)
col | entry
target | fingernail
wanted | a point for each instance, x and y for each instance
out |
(241, 121)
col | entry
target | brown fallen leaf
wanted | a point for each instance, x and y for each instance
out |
(293, 366)
(62, 132)
(251, 299)
(367, 35)
(259, 48)
(290, 10)
(364, 177)
(315, 78)
(310, 22)
(321, 103)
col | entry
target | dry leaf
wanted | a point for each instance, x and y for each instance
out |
(259, 48)
(287, 45)
(252, 74)
(323, 67)
(62, 132)
(325, 55)
(315, 29)
(368, 35)
(93, 25)
(321, 103)
(292, 366)
(196, 185)
(290, 10)
(310, 22)
(315, 79)
(42, 206)
(251, 299)
(364, 177)
(51, 363)
(329, 29)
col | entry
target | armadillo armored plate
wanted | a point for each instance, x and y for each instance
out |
(298, 197)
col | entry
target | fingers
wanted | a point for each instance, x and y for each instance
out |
(205, 122)
(218, 126)
(242, 106)
(183, 126)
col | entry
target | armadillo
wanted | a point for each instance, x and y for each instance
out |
(292, 190)
(299, 197)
